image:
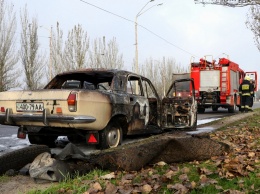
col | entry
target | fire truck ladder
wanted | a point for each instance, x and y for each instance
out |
(224, 81)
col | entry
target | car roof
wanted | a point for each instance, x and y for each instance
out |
(99, 71)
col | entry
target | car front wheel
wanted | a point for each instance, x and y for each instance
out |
(111, 136)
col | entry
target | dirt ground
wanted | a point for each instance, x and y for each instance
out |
(22, 184)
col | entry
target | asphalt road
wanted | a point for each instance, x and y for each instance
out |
(9, 141)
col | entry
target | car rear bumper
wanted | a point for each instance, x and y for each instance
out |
(11, 119)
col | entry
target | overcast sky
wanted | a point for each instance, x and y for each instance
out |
(179, 29)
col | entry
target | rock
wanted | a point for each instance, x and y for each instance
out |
(47, 168)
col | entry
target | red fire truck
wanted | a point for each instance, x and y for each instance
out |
(217, 84)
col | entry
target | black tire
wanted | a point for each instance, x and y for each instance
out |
(111, 136)
(19, 158)
(42, 140)
(201, 110)
(231, 109)
(214, 108)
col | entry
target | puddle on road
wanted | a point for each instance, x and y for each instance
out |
(8, 144)
(204, 121)
(204, 129)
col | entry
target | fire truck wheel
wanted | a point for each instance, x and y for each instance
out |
(201, 110)
(215, 108)
(19, 158)
(111, 136)
(231, 109)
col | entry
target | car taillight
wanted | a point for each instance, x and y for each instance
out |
(72, 102)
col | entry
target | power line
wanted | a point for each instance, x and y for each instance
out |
(160, 37)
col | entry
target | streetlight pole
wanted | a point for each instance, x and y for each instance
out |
(50, 56)
(136, 33)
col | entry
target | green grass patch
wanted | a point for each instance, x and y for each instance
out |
(4, 178)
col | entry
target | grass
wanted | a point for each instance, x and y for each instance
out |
(234, 172)
(4, 178)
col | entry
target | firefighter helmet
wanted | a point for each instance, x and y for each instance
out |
(247, 78)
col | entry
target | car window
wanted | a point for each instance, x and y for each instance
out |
(148, 91)
(133, 85)
(88, 86)
(71, 84)
(104, 86)
(180, 89)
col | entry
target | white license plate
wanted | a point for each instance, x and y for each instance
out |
(33, 106)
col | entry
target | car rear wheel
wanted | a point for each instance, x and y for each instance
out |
(42, 140)
(111, 136)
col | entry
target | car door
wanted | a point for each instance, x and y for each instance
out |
(179, 107)
(138, 105)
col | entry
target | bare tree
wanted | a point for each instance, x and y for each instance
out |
(57, 51)
(253, 17)
(105, 55)
(229, 3)
(97, 53)
(253, 23)
(33, 63)
(160, 72)
(76, 48)
(8, 52)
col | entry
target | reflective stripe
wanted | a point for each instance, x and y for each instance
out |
(245, 87)
(246, 94)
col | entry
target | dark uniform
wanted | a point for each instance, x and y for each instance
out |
(246, 90)
(252, 96)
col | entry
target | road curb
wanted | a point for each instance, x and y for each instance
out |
(227, 120)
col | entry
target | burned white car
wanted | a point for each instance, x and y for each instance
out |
(98, 106)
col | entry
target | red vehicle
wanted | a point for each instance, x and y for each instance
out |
(217, 84)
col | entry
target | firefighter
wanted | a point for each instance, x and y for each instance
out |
(246, 90)
(253, 95)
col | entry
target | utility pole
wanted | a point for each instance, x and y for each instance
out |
(136, 32)
(50, 60)
(136, 38)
